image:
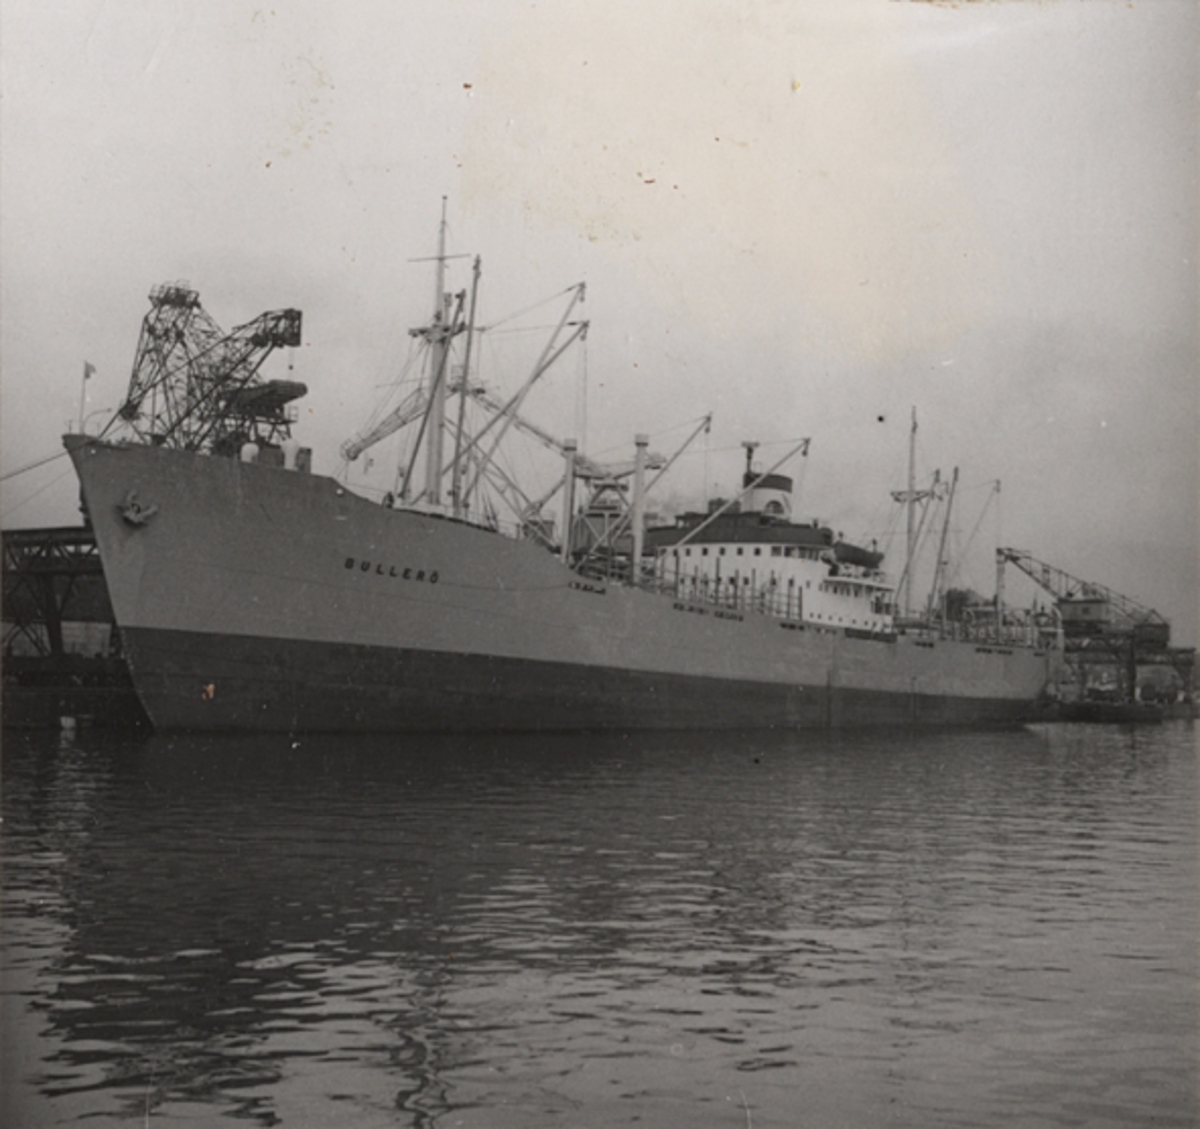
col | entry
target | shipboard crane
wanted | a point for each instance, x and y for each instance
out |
(471, 463)
(416, 404)
(197, 388)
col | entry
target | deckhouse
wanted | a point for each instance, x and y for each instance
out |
(754, 557)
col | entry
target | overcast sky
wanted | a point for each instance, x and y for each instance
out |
(806, 216)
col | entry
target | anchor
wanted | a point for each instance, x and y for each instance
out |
(134, 512)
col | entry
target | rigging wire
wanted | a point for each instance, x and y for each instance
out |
(520, 328)
(993, 493)
(33, 465)
(53, 482)
(381, 409)
(617, 448)
(528, 309)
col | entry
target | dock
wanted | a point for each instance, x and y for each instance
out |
(62, 660)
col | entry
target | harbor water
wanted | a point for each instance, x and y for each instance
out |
(954, 929)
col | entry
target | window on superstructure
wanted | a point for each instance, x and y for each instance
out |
(758, 552)
(739, 552)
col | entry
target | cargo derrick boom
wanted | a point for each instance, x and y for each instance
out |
(196, 388)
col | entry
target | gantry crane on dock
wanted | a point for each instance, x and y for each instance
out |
(1090, 610)
(1101, 626)
(196, 387)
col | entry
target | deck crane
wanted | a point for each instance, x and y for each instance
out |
(196, 387)
(413, 406)
(1089, 610)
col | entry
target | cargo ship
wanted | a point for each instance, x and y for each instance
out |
(255, 595)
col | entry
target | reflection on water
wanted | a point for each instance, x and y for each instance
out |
(679, 930)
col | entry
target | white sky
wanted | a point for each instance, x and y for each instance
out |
(801, 215)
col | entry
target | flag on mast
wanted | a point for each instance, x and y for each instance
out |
(89, 370)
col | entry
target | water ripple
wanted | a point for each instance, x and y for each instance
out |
(944, 930)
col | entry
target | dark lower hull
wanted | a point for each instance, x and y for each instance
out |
(192, 681)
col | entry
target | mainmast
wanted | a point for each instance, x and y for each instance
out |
(910, 498)
(439, 337)
(935, 593)
(456, 468)
(910, 508)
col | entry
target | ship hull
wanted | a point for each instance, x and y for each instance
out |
(253, 598)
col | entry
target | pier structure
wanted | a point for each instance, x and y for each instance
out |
(62, 650)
